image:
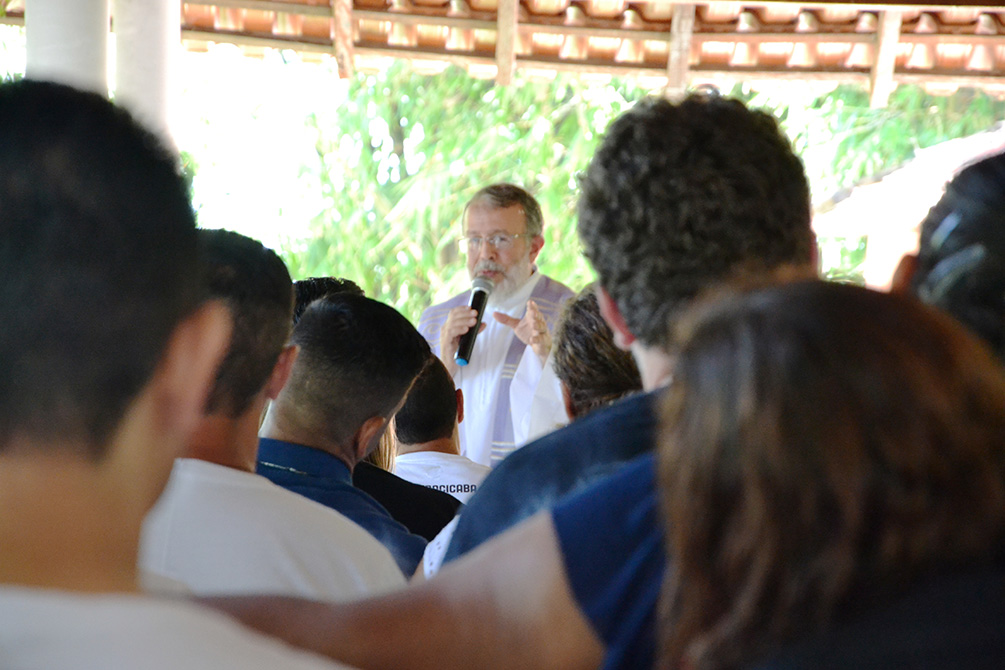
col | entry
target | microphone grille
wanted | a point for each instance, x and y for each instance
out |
(482, 284)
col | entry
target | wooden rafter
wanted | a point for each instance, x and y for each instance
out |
(343, 40)
(962, 43)
(881, 78)
(681, 32)
(267, 6)
(506, 36)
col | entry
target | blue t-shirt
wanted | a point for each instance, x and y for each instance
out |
(535, 477)
(323, 478)
(611, 538)
(612, 542)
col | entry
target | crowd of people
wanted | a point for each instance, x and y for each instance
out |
(710, 458)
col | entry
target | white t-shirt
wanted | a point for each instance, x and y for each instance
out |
(450, 473)
(224, 531)
(55, 630)
(432, 558)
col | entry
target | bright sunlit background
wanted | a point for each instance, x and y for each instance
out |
(365, 178)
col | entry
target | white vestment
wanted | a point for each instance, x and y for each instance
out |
(501, 364)
(60, 630)
(225, 531)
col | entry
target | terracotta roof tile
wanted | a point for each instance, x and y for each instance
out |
(944, 46)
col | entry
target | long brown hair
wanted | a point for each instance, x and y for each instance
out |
(823, 448)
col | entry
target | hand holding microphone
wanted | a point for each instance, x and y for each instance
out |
(457, 337)
(481, 288)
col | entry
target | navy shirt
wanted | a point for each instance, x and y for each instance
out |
(535, 477)
(612, 543)
(611, 540)
(324, 478)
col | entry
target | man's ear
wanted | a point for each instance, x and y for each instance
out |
(570, 411)
(460, 404)
(536, 244)
(281, 372)
(904, 274)
(188, 366)
(623, 337)
(815, 257)
(366, 438)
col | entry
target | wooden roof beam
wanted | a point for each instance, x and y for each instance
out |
(881, 78)
(506, 36)
(343, 39)
(265, 6)
(681, 36)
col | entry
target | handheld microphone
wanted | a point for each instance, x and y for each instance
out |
(480, 290)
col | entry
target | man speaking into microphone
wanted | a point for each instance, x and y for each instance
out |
(502, 226)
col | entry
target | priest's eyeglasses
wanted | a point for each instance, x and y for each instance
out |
(500, 241)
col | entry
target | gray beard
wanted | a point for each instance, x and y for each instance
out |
(508, 286)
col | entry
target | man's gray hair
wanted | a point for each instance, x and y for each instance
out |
(502, 196)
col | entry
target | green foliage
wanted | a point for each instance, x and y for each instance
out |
(399, 159)
(188, 165)
(842, 140)
(12, 50)
(394, 162)
(843, 259)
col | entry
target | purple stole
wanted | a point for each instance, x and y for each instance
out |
(549, 295)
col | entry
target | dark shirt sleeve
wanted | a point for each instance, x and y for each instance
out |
(535, 477)
(326, 480)
(611, 538)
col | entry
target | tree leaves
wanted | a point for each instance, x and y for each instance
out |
(398, 161)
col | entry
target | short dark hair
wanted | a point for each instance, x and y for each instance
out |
(503, 196)
(430, 410)
(825, 447)
(961, 256)
(586, 360)
(256, 287)
(681, 196)
(98, 262)
(309, 290)
(358, 358)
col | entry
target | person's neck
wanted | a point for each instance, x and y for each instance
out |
(228, 441)
(66, 524)
(655, 365)
(278, 425)
(445, 445)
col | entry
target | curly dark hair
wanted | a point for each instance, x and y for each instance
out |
(681, 196)
(593, 369)
(961, 258)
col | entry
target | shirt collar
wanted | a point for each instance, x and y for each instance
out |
(299, 458)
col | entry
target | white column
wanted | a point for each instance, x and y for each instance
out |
(147, 43)
(67, 41)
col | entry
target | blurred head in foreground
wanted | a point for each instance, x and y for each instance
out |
(960, 265)
(824, 446)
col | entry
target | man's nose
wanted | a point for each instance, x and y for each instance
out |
(486, 251)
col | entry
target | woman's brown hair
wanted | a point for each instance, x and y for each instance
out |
(824, 447)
